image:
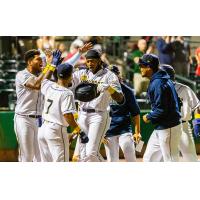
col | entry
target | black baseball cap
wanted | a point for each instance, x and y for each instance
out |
(64, 70)
(149, 60)
(93, 54)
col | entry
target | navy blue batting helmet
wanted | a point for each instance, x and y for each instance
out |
(149, 60)
(114, 69)
(170, 70)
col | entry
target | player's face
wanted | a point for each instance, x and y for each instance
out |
(146, 71)
(36, 64)
(93, 64)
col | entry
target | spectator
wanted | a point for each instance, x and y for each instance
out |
(140, 83)
(46, 42)
(165, 50)
(181, 56)
(197, 56)
(62, 47)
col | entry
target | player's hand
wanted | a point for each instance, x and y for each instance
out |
(56, 57)
(85, 47)
(137, 137)
(104, 141)
(145, 119)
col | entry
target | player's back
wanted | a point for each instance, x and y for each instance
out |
(58, 101)
(188, 99)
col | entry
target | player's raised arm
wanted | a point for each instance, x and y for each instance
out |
(75, 58)
(34, 62)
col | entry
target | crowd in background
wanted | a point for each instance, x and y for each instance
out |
(125, 53)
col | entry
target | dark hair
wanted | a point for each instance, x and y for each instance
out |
(30, 54)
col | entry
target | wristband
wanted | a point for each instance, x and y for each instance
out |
(197, 116)
(111, 90)
(45, 69)
(76, 130)
(52, 68)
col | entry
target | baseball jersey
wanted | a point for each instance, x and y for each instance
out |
(104, 76)
(189, 100)
(58, 101)
(29, 101)
(121, 114)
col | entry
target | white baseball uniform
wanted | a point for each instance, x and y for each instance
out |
(52, 136)
(93, 117)
(28, 108)
(189, 103)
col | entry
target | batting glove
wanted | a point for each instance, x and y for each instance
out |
(83, 137)
(56, 57)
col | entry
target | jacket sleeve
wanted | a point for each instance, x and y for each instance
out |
(160, 108)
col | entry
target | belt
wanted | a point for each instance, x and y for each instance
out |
(90, 110)
(183, 121)
(31, 116)
(34, 116)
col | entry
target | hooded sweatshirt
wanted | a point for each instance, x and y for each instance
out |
(164, 101)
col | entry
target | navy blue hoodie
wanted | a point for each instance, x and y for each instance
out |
(164, 101)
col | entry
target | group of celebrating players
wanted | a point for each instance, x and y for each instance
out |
(46, 107)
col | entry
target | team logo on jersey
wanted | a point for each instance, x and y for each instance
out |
(84, 77)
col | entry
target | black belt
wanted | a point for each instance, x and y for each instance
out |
(34, 116)
(88, 110)
(31, 116)
(183, 121)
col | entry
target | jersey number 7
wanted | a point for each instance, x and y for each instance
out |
(51, 102)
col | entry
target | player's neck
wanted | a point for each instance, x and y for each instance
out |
(97, 69)
(62, 83)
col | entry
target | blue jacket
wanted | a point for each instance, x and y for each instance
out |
(121, 114)
(165, 52)
(164, 101)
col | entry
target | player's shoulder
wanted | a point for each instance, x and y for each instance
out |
(182, 87)
(22, 73)
(109, 73)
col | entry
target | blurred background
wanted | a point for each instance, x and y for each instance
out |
(183, 52)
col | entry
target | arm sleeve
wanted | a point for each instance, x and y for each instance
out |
(45, 85)
(132, 103)
(74, 59)
(68, 105)
(161, 96)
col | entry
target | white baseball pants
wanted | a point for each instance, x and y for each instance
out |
(126, 142)
(163, 144)
(26, 131)
(95, 126)
(53, 142)
(187, 146)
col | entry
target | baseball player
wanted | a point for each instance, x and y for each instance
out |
(164, 140)
(58, 112)
(120, 131)
(190, 103)
(93, 117)
(28, 109)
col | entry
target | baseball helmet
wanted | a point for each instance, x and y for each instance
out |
(86, 92)
(170, 71)
(150, 60)
(114, 69)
